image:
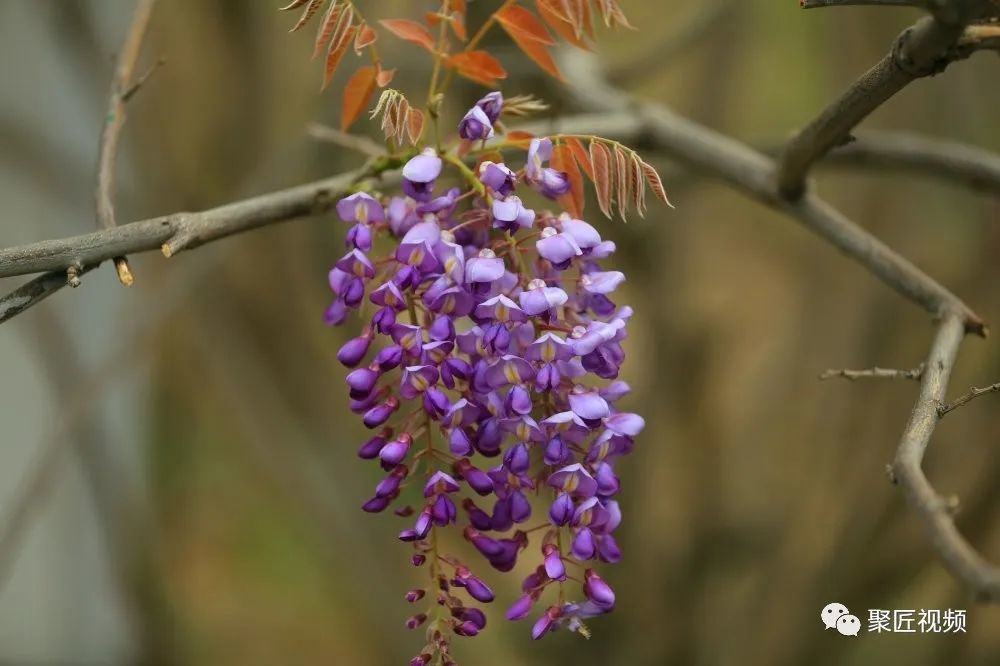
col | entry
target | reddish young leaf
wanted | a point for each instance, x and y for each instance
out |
(587, 18)
(478, 66)
(384, 77)
(357, 95)
(338, 46)
(637, 185)
(366, 37)
(655, 184)
(520, 138)
(622, 181)
(458, 25)
(538, 53)
(326, 27)
(517, 20)
(415, 125)
(410, 31)
(563, 160)
(600, 158)
(613, 15)
(310, 10)
(580, 153)
(460, 6)
(557, 21)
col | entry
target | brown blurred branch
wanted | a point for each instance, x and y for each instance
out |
(122, 88)
(874, 373)
(819, 4)
(967, 398)
(923, 49)
(361, 144)
(939, 158)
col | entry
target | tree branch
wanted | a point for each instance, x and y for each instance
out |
(819, 4)
(939, 158)
(114, 120)
(958, 555)
(34, 292)
(874, 373)
(923, 49)
(967, 398)
(753, 173)
(181, 231)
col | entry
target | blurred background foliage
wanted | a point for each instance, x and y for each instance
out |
(211, 514)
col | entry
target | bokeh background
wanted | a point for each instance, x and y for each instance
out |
(200, 492)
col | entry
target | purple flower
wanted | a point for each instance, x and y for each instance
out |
(485, 267)
(539, 152)
(539, 297)
(420, 173)
(497, 177)
(588, 405)
(559, 248)
(467, 346)
(360, 207)
(553, 563)
(601, 282)
(510, 214)
(492, 105)
(575, 480)
(476, 125)
(597, 590)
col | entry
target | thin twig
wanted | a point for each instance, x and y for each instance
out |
(873, 373)
(923, 49)
(34, 292)
(121, 89)
(967, 398)
(937, 512)
(819, 4)
(361, 144)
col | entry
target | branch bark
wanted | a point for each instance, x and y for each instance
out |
(181, 231)
(114, 120)
(753, 173)
(923, 49)
(939, 158)
(937, 512)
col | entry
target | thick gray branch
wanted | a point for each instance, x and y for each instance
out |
(753, 173)
(177, 232)
(921, 50)
(937, 512)
(938, 158)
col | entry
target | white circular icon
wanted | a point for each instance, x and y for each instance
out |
(831, 613)
(849, 625)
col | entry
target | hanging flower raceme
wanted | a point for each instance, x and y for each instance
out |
(486, 366)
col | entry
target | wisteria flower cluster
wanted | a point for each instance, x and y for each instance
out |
(488, 371)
